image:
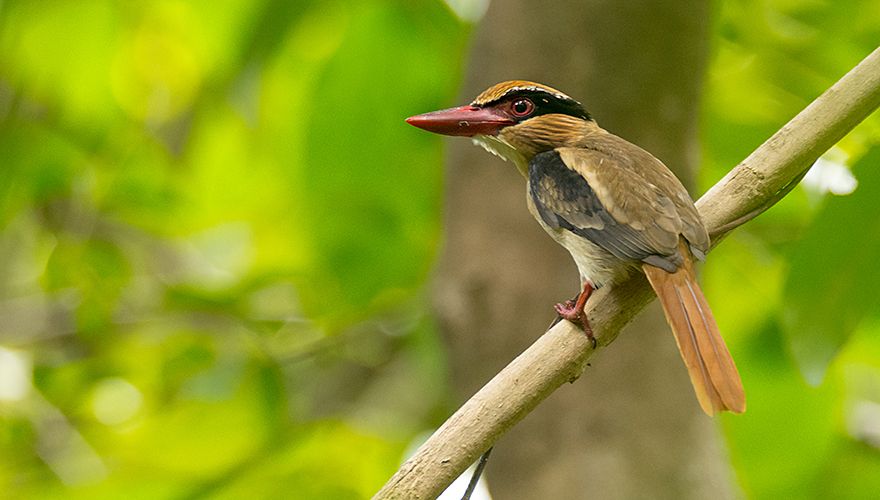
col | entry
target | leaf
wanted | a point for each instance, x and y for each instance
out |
(832, 282)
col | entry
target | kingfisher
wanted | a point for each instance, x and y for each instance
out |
(614, 206)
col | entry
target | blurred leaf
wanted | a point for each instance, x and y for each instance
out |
(97, 271)
(59, 52)
(832, 281)
(770, 59)
(180, 186)
(851, 473)
(35, 176)
(780, 444)
(370, 184)
(327, 460)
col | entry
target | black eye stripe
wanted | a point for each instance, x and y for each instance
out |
(546, 103)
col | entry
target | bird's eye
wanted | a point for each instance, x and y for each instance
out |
(522, 107)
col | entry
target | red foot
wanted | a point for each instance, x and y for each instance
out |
(574, 311)
(567, 310)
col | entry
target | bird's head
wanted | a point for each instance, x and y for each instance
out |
(515, 120)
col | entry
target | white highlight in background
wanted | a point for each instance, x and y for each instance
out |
(458, 487)
(469, 10)
(16, 369)
(830, 175)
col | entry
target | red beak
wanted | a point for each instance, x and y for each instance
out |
(463, 120)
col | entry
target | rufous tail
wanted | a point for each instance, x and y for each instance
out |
(713, 373)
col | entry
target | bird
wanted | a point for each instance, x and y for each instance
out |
(614, 206)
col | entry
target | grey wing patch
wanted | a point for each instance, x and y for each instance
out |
(562, 197)
(565, 200)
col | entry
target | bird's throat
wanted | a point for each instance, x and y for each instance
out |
(503, 150)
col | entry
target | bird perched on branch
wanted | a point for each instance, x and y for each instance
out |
(613, 206)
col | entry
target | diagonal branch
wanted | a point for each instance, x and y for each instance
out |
(561, 354)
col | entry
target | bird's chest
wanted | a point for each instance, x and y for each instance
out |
(594, 263)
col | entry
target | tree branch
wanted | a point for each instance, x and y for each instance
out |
(561, 354)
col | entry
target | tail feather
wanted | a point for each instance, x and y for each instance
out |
(713, 374)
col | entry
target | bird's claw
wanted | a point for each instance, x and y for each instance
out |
(568, 310)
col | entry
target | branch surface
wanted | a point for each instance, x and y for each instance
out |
(561, 354)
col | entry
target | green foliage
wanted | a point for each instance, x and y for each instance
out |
(366, 177)
(833, 273)
(214, 227)
(793, 290)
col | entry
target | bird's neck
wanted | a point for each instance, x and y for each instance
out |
(520, 143)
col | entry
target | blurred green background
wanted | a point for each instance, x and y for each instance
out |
(216, 232)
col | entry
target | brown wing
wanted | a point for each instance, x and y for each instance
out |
(633, 166)
(603, 194)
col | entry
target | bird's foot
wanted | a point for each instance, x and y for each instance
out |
(569, 310)
(566, 310)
